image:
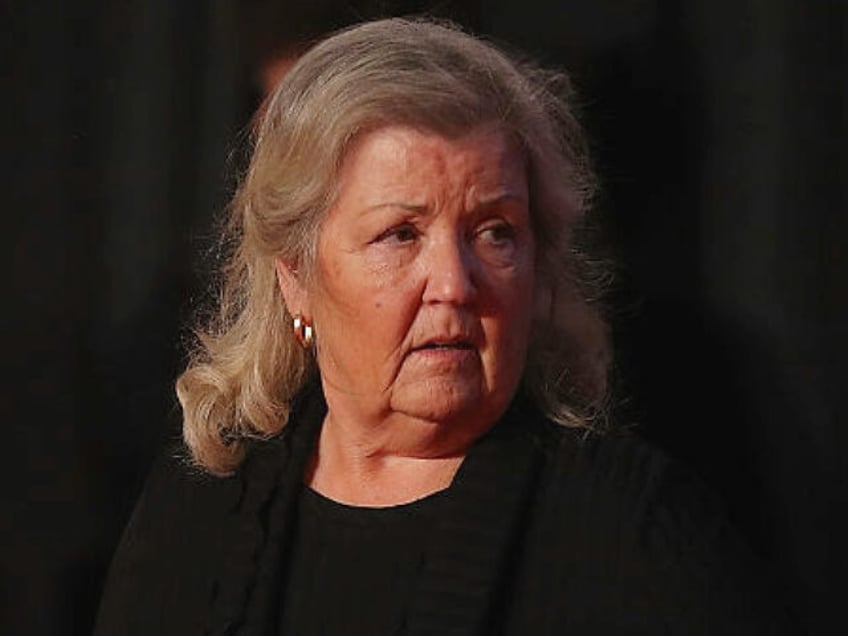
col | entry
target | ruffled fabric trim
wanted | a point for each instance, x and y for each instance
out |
(246, 592)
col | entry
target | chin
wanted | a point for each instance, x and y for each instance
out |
(442, 402)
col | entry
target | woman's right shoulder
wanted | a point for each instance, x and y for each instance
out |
(179, 490)
(164, 563)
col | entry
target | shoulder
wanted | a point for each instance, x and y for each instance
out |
(191, 548)
(621, 470)
(166, 550)
(176, 543)
(635, 541)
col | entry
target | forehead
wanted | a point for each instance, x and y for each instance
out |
(408, 161)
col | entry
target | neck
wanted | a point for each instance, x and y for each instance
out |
(355, 466)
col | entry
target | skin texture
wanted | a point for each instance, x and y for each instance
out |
(421, 303)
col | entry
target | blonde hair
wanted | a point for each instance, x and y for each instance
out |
(246, 366)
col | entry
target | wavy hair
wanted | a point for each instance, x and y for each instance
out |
(245, 366)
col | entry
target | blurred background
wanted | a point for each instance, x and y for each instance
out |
(719, 132)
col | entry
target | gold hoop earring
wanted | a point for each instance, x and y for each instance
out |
(303, 332)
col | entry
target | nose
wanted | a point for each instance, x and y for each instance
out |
(451, 272)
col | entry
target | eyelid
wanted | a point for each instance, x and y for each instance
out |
(497, 224)
(394, 230)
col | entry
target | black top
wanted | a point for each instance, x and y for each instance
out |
(361, 562)
(544, 530)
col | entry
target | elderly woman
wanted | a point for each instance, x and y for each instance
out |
(389, 421)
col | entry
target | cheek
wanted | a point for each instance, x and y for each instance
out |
(513, 291)
(509, 322)
(366, 315)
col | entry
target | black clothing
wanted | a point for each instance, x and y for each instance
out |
(544, 530)
(353, 569)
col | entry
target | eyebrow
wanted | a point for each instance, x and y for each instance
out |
(410, 207)
(500, 196)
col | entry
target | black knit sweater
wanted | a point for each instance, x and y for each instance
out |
(544, 530)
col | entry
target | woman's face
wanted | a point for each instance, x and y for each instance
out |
(422, 297)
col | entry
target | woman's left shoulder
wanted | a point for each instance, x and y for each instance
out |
(622, 467)
(639, 538)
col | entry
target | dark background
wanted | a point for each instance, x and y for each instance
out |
(719, 131)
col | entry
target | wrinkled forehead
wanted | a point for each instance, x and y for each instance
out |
(480, 162)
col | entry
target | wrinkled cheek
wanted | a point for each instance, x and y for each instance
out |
(509, 357)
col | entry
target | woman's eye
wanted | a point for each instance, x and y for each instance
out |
(498, 235)
(399, 234)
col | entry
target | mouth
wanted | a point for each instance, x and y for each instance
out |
(446, 345)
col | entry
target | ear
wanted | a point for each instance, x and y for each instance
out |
(292, 288)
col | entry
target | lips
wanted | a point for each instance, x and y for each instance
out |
(445, 344)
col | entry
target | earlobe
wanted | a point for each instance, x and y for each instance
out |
(292, 289)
